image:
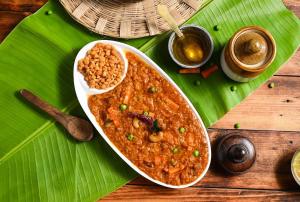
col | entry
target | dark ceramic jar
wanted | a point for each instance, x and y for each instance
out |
(236, 153)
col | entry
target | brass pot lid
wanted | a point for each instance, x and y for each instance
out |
(253, 48)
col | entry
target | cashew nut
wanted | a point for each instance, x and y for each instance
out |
(135, 123)
(156, 137)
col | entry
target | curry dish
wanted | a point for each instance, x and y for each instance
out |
(148, 120)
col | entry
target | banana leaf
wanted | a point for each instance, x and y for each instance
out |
(39, 161)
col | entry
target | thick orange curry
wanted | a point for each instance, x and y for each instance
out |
(148, 120)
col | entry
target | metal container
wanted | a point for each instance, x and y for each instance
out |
(208, 45)
(248, 53)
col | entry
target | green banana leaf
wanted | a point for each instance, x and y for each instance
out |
(39, 161)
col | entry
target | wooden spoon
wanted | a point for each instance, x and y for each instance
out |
(163, 11)
(78, 128)
(191, 49)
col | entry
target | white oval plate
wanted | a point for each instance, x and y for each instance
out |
(82, 96)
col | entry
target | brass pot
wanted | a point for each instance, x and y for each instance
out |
(249, 52)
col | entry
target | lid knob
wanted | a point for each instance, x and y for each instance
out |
(253, 46)
(236, 153)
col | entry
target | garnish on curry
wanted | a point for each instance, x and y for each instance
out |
(148, 120)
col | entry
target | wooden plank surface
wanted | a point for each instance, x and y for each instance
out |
(267, 114)
(8, 20)
(151, 193)
(21, 5)
(13, 11)
(292, 67)
(275, 108)
(293, 5)
(271, 170)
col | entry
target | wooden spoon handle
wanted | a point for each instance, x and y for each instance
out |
(163, 11)
(49, 109)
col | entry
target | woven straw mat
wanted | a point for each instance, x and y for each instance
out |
(128, 18)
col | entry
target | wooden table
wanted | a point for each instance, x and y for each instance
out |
(269, 117)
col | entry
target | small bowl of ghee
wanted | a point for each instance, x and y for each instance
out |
(192, 50)
(295, 166)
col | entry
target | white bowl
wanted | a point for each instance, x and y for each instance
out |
(82, 96)
(82, 53)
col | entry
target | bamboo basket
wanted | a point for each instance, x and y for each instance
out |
(128, 18)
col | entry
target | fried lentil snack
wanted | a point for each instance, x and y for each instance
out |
(102, 67)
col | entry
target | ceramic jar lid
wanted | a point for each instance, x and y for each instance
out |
(236, 153)
(253, 48)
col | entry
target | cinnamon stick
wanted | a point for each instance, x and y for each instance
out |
(189, 71)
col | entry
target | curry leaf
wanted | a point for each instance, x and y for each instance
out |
(155, 127)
